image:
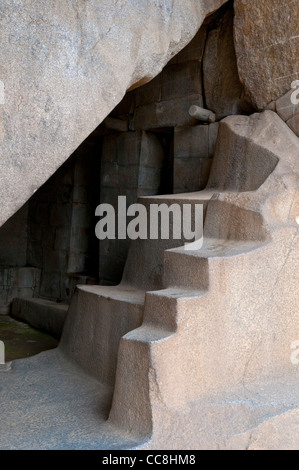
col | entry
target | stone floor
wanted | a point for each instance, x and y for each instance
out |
(48, 402)
(21, 340)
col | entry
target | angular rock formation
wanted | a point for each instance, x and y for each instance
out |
(214, 347)
(194, 348)
(64, 67)
(224, 92)
(267, 47)
(196, 341)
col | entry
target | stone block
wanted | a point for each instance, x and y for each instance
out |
(54, 260)
(50, 285)
(41, 314)
(14, 251)
(77, 262)
(128, 148)
(35, 232)
(128, 176)
(79, 239)
(246, 149)
(4, 310)
(149, 178)
(109, 149)
(191, 142)
(3, 277)
(35, 254)
(27, 277)
(133, 149)
(25, 293)
(151, 152)
(20, 282)
(4, 294)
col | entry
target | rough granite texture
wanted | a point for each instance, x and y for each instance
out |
(224, 93)
(65, 66)
(267, 47)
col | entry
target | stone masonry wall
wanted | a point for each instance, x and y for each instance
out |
(131, 166)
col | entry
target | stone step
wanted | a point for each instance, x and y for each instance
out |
(223, 220)
(166, 308)
(17, 282)
(136, 378)
(148, 254)
(193, 269)
(98, 317)
(242, 163)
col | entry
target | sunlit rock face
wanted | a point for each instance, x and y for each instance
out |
(66, 65)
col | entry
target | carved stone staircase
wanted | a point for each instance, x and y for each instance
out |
(192, 349)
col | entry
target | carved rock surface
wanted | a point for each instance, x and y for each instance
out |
(66, 65)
